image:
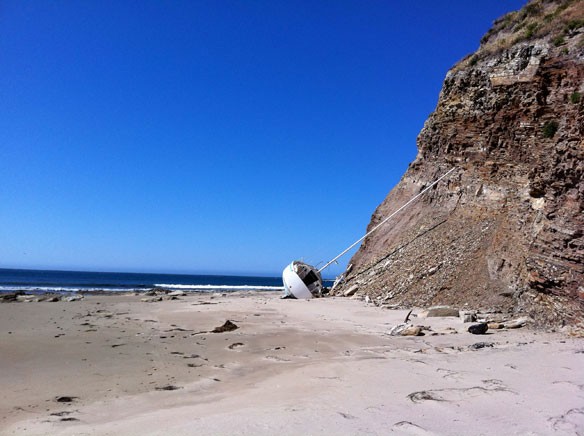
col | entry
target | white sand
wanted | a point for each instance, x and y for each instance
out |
(293, 367)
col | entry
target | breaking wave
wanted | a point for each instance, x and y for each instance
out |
(201, 288)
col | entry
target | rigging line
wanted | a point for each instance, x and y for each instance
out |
(385, 220)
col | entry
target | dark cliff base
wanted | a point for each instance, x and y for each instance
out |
(505, 230)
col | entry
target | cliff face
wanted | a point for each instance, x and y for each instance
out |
(505, 229)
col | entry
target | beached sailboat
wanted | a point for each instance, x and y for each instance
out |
(301, 281)
(304, 281)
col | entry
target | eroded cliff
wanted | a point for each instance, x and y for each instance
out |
(505, 229)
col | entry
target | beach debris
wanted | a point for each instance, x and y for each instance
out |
(167, 388)
(516, 323)
(408, 316)
(228, 326)
(468, 316)
(440, 311)
(177, 294)
(478, 329)
(65, 399)
(367, 299)
(69, 418)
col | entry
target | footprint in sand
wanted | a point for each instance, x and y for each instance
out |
(409, 428)
(570, 422)
(459, 394)
(277, 359)
(236, 345)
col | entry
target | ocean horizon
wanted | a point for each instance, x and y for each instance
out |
(59, 281)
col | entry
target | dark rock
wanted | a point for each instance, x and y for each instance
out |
(478, 329)
(65, 399)
(9, 298)
(226, 327)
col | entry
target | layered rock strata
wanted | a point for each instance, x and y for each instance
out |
(505, 230)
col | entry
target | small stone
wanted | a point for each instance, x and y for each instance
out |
(478, 329)
(412, 331)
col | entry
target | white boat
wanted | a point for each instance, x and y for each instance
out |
(301, 281)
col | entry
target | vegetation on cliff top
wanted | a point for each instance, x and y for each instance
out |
(553, 19)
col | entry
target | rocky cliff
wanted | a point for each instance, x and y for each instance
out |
(505, 230)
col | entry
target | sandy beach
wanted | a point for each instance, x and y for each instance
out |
(113, 364)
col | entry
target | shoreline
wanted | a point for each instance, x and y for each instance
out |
(317, 366)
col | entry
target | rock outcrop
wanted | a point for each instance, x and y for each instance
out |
(505, 230)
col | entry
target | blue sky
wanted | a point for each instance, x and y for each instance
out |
(212, 136)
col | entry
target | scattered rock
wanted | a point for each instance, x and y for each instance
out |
(228, 326)
(516, 323)
(478, 329)
(351, 291)
(441, 311)
(468, 316)
(480, 345)
(9, 298)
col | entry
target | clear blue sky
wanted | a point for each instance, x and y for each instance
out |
(212, 136)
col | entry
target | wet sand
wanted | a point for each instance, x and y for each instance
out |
(112, 364)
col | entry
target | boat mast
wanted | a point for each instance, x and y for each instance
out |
(385, 220)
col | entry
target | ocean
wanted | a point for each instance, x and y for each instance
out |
(41, 281)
